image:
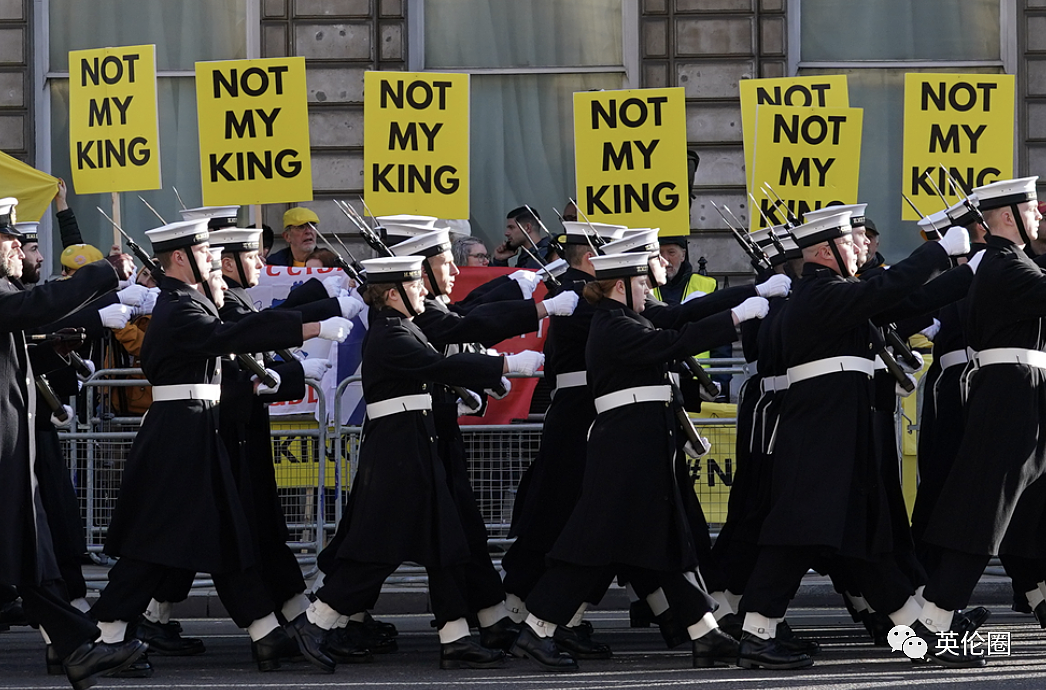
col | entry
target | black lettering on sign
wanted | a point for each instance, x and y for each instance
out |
(626, 198)
(253, 81)
(961, 96)
(406, 138)
(419, 94)
(777, 215)
(950, 142)
(727, 477)
(109, 69)
(633, 112)
(805, 92)
(812, 128)
(253, 165)
(798, 174)
(245, 125)
(614, 159)
(411, 178)
(99, 113)
(967, 178)
(108, 153)
(281, 448)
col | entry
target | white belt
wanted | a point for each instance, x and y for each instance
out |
(829, 365)
(628, 396)
(770, 384)
(571, 379)
(953, 358)
(404, 403)
(1011, 355)
(879, 364)
(188, 391)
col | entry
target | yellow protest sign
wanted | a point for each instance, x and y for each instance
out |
(824, 91)
(33, 189)
(254, 131)
(416, 143)
(810, 156)
(962, 121)
(630, 158)
(114, 142)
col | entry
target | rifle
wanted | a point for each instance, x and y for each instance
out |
(51, 398)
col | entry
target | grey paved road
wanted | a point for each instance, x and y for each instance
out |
(640, 661)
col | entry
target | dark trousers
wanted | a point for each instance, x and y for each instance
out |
(68, 627)
(280, 572)
(566, 586)
(133, 583)
(523, 569)
(350, 587)
(779, 570)
(952, 581)
(1026, 573)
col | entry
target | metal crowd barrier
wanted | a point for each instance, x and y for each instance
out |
(314, 484)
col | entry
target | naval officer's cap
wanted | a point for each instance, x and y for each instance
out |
(216, 257)
(582, 233)
(960, 213)
(29, 231)
(402, 228)
(621, 265)
(856, 213)
(431, 243)
(788, 249)
(8, 217)
(639, 240)
(393, 269)
(822, 230)
(217, 217)
(235, 240)
(935, 222)
(1006, 193)
(180, 235)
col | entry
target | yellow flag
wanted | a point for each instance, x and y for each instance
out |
(33, 189)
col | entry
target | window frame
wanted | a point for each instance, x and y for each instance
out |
(43, 75)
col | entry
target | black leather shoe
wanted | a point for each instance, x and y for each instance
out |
(639, 614)
(165, 640)
(969, 620)
(878, 625)
(12, 614)
(543, 651)
(755, 652)
(501, 635)
(713, 647)
(379, 628)
(346, 645)
(467, 653)
(139, 669)
(672, 631)
(53, 661)
(311, 641)
(371, 638)
(92, 659)
(787, 638)
(578, 645)
(584, 628)
(952, 658)
(732, 624)
(1040, 613)
(277, 645)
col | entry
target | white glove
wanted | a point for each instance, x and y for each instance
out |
(555, 268)
(527, 281)
(775, 286)
(526, 362)
(508, 389)
(706, 446)
(930, 332)
(263, 389)
(907, 367)
(70, 419)
(148, 303)
(956, 241)
(900, 389)
(316, 368)
(751, 308)
(974, 262)
(335, 286)
(335, 328)
(696, 294)
(115, 315)
(464, 409)
(562, 304)
(132, 295)
(350, 306)
(711, 398)
(90, 365)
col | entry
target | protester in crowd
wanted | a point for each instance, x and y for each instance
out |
(299, 232)
(470, 251)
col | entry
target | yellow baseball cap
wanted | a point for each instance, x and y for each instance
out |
(299, 216)
(79, 255)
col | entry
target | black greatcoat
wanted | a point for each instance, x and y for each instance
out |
(631, 511)
(826, 483)
(25, 545)
(1003, 448)
(178, 503)
(401, 508)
